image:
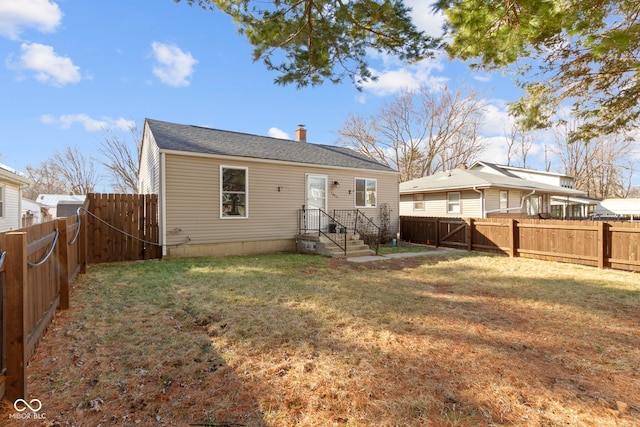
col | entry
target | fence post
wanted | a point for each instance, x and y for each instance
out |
(15, 303)
(63, 262)
(603, 229)
(470, 225)
(83, 242)
(513, 238)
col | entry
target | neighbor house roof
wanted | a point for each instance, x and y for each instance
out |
(459, 179)
(52, 200)
(629, 206)
(202, 140)
(11, 175)
(507, 170)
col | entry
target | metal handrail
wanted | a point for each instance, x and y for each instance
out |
(370, 233)
(322, 214)
(2, 256)
(332, 220)
(366, 236)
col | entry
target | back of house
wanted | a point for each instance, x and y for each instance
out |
(225, 193)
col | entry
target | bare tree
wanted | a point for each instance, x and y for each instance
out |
(121, 158)
(420, 131)
(519, 144)
(76, 170)
(45, 179)
(601, 167)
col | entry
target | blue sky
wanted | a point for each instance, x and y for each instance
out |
(72, 67)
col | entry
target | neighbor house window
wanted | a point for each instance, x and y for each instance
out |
(1, 201)
(453, 203)
(504, 200)
(233, 192)
(418, 202)
(366, 193)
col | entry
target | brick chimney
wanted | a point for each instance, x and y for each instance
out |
(301, 134)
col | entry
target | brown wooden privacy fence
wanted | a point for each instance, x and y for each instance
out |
(124, 227)
(594, 243)
(40, 262)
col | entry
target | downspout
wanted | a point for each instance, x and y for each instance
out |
(481, 193)
(163, 205)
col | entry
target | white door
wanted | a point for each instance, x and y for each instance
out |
(316, 198)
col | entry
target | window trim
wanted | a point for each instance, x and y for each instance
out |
(451, 204)
(246, 192)
(2, 199)
(355, 192)
(420, 201)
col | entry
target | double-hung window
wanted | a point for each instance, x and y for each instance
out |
(366, 193)
(1, 201)
(453, 203)
(418, 202)
(504, 201)
(234, 192)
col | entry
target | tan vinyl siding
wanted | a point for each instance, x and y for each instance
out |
(11, 218)
(193, 199)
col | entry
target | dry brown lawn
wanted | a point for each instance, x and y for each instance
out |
(295, 340)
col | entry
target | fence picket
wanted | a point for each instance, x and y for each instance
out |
(598, 244)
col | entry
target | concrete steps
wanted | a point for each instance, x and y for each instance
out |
(322, 245)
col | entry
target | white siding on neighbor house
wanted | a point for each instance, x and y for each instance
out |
(149, 174)
(192, 198)
(543, 177)
(538, 177)
(435, 205)
(10, 216)
(492, 201)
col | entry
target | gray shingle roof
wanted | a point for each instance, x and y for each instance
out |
(196, 139)
(459, 179)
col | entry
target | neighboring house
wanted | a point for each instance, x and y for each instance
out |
(476, 194)
(223, 192)
(618, 209)
(562, 206)
(61, 205)
(34, 213)
(11, 183)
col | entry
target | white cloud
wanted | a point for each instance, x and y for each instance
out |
(396, 78)
(425, 18)
(15, 15)
(49, 67)
(482, 78)
(497, 121)
(277, 133)
(65, 121)
(174, 67)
